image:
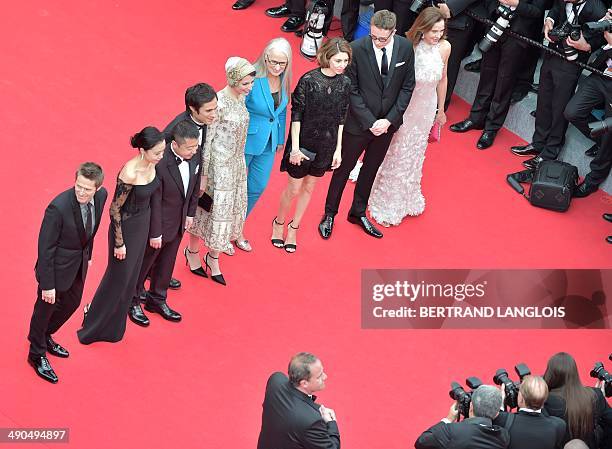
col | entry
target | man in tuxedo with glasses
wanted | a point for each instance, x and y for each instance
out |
(65, 245)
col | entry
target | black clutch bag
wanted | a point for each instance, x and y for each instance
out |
(309, 154)
(205, 202)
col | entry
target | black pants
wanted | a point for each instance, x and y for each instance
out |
(401, 8)
(48, 318)
(498, 73)
(352, 146)
(349, 17)
(558, 79)
(527, 68)
(592, 92)
(159, 265)
(298, 9)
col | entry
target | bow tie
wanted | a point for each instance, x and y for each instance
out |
(179, 161)
(313, 397)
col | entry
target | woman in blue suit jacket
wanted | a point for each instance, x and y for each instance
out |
(267, 105)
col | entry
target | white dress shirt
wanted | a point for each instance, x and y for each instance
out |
(184, 170)
(379, 54)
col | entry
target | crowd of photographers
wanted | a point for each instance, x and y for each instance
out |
(553, 411)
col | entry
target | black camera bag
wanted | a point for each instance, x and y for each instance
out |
(552, 184)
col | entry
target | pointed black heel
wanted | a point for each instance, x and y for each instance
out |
(291, 247)
(278, 243)
(198, 271)
(215, 277)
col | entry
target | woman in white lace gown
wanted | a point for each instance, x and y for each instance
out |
(397, 189)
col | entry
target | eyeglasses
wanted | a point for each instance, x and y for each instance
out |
(382, 40)
(281, 64)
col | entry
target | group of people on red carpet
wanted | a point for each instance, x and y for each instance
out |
(206, 171)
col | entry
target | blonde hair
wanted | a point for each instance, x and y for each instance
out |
(236, 69)
(280, 45)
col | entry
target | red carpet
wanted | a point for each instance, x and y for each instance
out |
(77, 79)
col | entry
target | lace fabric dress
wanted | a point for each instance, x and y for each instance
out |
(397, 188)
(223, 161)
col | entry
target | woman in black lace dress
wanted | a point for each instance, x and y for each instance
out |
(318, 108)
(128, 234)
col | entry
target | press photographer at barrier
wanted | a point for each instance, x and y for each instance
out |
(553, 411)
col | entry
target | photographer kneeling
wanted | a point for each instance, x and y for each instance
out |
(476, 432)
(529, 428)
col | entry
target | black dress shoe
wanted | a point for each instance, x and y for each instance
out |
(517, 96)
(473, 66)
(366, 225)
(166, 312)
(292, 24)
(279, 11)
(175, 284)
(326, 226)
(486, 140)
(137, 316)
(525, 150)
(532, 113)
(464, 126)
(242, 4)
(585, 189)
(43, 368)
(607, 217)
(592, 152)
(609, 239)
(532, 164)
(56, 349)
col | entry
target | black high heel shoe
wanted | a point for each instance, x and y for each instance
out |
(291, 247)
(215, 277)
(278, 243)
(198, 271)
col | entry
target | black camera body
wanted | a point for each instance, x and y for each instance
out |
(464, 398)
(598, 27)
(511, 388)
(564, 31)
(599, 372)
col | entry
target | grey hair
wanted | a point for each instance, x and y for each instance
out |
(299, 367)
(487, 401)
(280, 45)
(575, 444)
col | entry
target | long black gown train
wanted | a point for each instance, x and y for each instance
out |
(130, 216)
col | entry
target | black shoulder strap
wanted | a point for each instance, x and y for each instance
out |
(515, 180)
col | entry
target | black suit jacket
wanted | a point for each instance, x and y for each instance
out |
(63, 247)
(471, 433)
(371, 98)
(182, 116)
(291, 420)
(169, 205)
(531, 430)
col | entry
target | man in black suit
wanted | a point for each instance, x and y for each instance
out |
(476, 432)
(529, 428)
(559, 77)
(382, 80)
(65, 245)
(291, 418)
(173, 206)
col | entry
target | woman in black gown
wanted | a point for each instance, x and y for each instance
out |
(319, 105)
(128, 235)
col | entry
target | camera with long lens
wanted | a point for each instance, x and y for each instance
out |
(600, 373)
(559, 34)
(601, 127)
(464, 398)
(498, 28)
(511, 388)
(598, 27)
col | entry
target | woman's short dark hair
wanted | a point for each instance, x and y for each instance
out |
(331, 48)
(198, 95)
(185, 129)
(91, 171)
(424, 23)
(147, 138)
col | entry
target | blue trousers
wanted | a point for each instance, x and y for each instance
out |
(258, 174)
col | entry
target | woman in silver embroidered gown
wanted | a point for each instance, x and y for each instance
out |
(397, 189)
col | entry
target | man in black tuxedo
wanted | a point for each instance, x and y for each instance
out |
(476, 432)
(529, 428)
(173, 206)
(291, 418)
(65, 245)
(382, 80)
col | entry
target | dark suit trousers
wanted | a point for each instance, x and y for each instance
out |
(498, 73)
(592, 92)
(159, 264)
(48, 318)
(401, 8)
(558, 80)
(349, 17)
(462, 41)
(352, 146)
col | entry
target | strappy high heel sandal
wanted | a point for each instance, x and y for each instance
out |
(215, 277)
(197, 271)
(278, 243)
(291, 247)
